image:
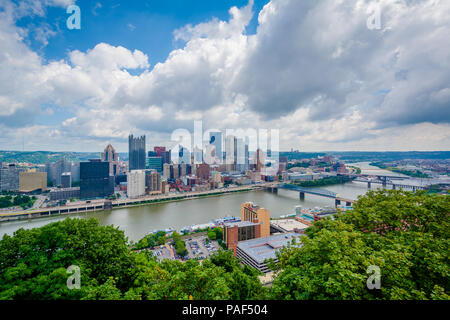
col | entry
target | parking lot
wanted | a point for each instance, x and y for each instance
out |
(162, 253)
(198, 248)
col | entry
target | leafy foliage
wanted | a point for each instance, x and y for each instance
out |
(406, 234)
(33, 265)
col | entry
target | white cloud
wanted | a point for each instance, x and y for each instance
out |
(313, 69)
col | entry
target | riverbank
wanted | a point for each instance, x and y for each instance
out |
(105, 205)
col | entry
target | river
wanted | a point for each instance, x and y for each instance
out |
(139, 221)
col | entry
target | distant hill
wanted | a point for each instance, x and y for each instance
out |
(41, 157)
(355, 156)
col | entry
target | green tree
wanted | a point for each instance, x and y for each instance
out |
(33, 262)
(405, 234)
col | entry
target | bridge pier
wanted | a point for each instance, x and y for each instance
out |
(393, 187)
(369, 185)
(414, 189)
(302, 195)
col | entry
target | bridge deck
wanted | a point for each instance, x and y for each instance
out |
(315, 191)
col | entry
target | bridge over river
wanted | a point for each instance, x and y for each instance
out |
(314, 191)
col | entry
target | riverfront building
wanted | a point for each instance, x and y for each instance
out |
(32, 181)
(64, 194)
(233, 232)
(253, 213)
(9, 177)
(135, 183)
(153, 182)
(256, 251)
(95, 181)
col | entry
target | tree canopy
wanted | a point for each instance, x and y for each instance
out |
(405, 234)
(33, 265)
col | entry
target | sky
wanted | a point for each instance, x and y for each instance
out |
(341, 75)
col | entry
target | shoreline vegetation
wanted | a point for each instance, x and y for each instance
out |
(323, 182)
(409, 173)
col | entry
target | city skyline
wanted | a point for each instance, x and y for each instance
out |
(151, 68)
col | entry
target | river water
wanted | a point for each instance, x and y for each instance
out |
(139, 221)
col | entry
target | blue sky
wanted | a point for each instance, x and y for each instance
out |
(146, 25)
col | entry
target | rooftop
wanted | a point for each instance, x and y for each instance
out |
(265, 248)
(240, 224)
(288, 225)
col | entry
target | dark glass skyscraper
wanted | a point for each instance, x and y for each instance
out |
(95, 181)
(136, 153)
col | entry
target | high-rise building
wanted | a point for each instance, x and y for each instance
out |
(9, 177)
(136, 153)
(241, 155)
(32, 181)
(66, 180)
(256, 214)
(260, 160)
(182, 169)
(75, 172)
(175, 171)
(167, 171)
(153, 182)
(135, 183)
(231, 152)
(233, 232)
(166, 156)
(112, 157)
(159, 151)
(215, 139)
(95, 181)
(154, 163)
(184, 156)
(55, 169)
(203, 171)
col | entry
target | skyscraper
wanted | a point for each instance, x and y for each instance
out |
(136, 153)
(135, 183)
(154, 163)
(184, 156)
(56, 169)
(215, 139)
(95, 181)
(110, 155)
